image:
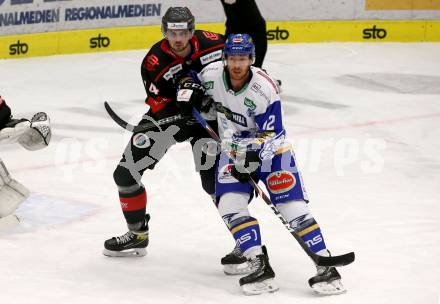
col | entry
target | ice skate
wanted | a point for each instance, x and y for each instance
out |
(235, 263)
(132, 243)
(261, 279)
(327, 281)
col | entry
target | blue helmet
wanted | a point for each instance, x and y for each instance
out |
(239, 44)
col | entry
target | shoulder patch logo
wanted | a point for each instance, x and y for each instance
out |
(250, 104)
(211, 36)
(151, 62)
(209, 85)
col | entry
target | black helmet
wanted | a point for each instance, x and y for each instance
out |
(178, 18)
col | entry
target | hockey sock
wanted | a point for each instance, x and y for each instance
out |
(133, 204)
(301, 220)
(246, 232)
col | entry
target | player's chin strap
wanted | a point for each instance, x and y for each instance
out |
(339, 260)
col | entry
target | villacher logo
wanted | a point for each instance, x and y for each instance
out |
(374, 33)
(19, 48)
(277, 34)
(99, 42)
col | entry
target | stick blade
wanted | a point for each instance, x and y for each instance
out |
(336, 261)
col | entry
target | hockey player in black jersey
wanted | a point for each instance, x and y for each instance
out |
(183, 50)
(243, 16)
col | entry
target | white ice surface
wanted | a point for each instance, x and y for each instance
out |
(365, 123)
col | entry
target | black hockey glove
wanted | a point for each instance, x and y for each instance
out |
(189, 95)
(245, 169)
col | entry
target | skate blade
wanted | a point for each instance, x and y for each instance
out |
(135, 252)
(266, 286)
(327, 289)
(237, 269)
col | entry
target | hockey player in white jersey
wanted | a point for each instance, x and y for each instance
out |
(31, 134)
(248, 110)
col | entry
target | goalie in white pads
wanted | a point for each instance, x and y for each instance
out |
(33, 135)
(250, 126)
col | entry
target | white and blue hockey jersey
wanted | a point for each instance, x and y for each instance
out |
(255, 109)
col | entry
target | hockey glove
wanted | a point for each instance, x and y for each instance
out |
(38, 135)
(189, 95)
(246, 166)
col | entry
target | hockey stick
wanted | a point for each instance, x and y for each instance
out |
(339, 260)
(144, 127)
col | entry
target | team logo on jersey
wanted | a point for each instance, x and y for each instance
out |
(211, 57)
(280, 181)
(151, 62)
(250, 104)
(225, 175)
(211, 36)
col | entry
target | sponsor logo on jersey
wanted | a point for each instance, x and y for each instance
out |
(225, 175)
(256, 87)
(19, 48)
(99, 42)
(232, 116)
(277, 34)
(173, 71)
(152, 62)
(141, 141)
(250, 104)
(374, 33)
(209, 85)
(211, 57)
(280, 181)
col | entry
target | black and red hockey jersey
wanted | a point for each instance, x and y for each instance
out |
(161, 68)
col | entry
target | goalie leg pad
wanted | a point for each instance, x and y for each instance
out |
(9, 221)
(12, 193)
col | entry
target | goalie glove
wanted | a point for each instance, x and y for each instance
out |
(13, 130)
(39, 133)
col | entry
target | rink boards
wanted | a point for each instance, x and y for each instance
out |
(142, 37)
